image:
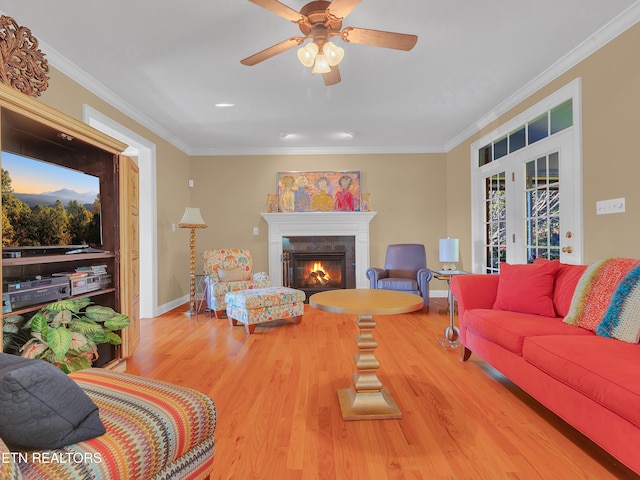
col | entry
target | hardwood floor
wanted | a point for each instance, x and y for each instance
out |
(279, 418)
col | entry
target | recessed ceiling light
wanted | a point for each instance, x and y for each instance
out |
(222, 105)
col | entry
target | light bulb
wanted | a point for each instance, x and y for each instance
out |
(307, 54)
(333, 53)
(321, 65)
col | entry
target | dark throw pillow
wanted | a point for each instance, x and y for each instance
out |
(42, 408)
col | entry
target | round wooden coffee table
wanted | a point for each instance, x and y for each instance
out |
(366, 398)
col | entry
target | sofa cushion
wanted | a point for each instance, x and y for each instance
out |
(264, 297)
(567, 278)
(604, 369)
(564, 285)
(527, 288)
(595, 289)
(397, 283)
(42, 408)
(510, 329)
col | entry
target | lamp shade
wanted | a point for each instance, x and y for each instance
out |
(449, 250)
(321, 65)
(307, 54)
(192, 218)
(333, 53)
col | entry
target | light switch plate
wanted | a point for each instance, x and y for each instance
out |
(614, 205)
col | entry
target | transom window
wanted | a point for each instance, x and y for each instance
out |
(549, 123)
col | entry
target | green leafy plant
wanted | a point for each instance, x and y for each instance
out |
(13, 334)
(66, 333)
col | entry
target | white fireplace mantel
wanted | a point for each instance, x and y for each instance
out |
(304, 224)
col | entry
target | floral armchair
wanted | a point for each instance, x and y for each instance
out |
(229, 270)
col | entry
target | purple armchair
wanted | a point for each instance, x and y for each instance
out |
(405, 269)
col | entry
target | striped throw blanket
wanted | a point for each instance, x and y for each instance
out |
(622, 320)
(607, 299)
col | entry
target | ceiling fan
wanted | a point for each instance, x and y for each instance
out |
(320, 21)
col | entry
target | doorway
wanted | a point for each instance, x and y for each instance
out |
(145, 151)
(527, 186)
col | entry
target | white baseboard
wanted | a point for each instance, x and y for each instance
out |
(438, 293)
(171, 305)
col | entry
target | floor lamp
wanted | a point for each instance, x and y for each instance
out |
(192, 219)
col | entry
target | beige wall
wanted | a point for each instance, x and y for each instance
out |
(407, 192)
(611, 167)
(172, 173)
(418, 197)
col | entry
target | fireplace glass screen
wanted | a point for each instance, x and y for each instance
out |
(314, 271)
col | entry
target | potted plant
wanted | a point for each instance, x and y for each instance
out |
(66, 333)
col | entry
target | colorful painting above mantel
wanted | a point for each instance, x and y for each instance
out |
(318, 191)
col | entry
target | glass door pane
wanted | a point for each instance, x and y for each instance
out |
(495, 222)
(542, 204)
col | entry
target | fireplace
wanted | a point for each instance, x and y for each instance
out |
(315, 272)
(309, 224)
(317, 263)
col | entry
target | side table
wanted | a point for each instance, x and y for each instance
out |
(451, 332)
(198, 300)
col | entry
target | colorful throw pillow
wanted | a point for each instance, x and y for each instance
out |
(595, 290)
(230, 275)
(622, 319)
(526, 288)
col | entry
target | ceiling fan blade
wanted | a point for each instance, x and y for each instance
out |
(332, 77)
(272, 51)
(341, 8)
(280, 9)
(378, 38)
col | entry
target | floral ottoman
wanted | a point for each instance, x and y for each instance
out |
(260, 305)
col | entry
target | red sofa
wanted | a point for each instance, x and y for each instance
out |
(590, 381)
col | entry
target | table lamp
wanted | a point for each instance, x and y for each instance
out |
(192, 219)
(449, 253)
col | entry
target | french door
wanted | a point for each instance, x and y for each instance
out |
(531, 206)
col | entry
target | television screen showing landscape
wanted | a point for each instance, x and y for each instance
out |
(44, 204)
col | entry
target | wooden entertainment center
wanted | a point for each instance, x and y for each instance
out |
(33, 129)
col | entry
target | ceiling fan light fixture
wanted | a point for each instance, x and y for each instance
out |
(321, 65)
(307, 54)
(333, 53)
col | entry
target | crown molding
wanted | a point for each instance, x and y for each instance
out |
(312, 151)
(71, 70)
(600, 38)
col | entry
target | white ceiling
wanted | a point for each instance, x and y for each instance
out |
(166, 64)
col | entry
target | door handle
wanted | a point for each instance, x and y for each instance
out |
(568, 249)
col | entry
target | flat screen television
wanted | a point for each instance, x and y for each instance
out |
(48, 205)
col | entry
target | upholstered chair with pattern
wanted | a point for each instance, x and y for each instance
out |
(229, 270)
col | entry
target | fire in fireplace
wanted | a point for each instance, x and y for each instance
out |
(315, 272)
(317, 263)
(318, 271)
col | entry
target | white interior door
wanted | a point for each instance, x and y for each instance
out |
(545, 220)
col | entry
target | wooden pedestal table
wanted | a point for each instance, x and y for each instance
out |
(366, 398)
